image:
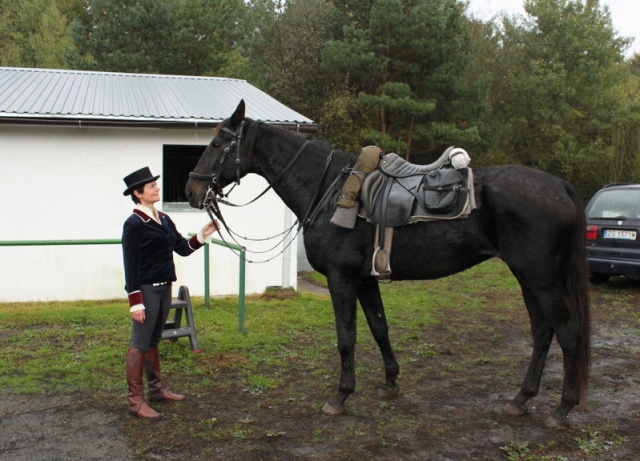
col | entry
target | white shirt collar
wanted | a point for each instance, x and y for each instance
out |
(149, 211)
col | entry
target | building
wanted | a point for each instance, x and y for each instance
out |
(67, 138)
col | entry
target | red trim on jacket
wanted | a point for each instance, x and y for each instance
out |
(135, 297)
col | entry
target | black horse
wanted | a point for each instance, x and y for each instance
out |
(531, 220)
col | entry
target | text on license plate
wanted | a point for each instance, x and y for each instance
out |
(619, 234)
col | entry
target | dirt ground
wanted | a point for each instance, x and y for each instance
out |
(452, 392)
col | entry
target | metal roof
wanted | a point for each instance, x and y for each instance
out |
(99, 98)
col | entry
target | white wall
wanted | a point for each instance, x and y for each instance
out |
(303, 263)
(62, 183)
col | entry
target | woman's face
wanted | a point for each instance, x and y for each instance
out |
(150, 194)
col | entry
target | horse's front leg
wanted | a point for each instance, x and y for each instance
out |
(373, 307)
(344, 299)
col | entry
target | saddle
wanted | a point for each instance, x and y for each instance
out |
(398, 193)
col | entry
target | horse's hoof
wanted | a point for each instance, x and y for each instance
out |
(515, 409)
(332, 410)
(552, 422)
(388, 392)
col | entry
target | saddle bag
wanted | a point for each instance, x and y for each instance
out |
(440, 190)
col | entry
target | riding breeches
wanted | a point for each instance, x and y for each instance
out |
(157, 303)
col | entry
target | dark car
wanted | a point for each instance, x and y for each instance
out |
(613, 229)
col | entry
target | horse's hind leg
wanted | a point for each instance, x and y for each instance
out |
(542, 333)
(549, 314)
(568, 337)
(373, 307)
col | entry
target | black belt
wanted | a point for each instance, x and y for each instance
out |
(159, 284)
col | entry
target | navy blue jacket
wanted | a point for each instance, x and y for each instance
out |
(147, 249)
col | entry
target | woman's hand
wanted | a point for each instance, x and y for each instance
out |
(138, 316)
(210, 227)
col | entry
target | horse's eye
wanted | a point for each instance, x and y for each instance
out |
(216, 143)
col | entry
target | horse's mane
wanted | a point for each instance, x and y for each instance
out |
(282, 133)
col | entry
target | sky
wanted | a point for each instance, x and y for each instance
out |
(624, 15)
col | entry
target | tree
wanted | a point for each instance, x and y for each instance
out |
(207, 37)
(34, 34)
(125, 35)
(406, 61)
(557, 95)
(624, 135)
(478, 77)
(286, 51)
(185, 37)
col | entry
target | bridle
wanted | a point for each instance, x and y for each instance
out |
(210, 202)
(215, 193)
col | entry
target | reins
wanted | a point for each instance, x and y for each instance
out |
(315, 197)
(311, 216)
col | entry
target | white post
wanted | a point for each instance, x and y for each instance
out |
(286, 252)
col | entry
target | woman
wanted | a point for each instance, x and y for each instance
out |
(149, 239)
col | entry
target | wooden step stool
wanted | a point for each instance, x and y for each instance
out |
(173, 329)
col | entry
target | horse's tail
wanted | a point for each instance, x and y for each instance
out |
(577, 289)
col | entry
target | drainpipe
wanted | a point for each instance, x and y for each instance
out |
(286, 252)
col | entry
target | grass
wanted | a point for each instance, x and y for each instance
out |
(63, 346)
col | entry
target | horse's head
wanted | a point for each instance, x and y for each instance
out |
(220, 163)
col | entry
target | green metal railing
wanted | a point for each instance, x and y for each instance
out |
(242, 256)
(241, 281)
(33, 243)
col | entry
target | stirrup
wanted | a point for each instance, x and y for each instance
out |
(380, 263)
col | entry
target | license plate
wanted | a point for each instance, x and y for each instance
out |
(619, 234)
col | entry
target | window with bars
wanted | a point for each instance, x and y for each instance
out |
(177, 162)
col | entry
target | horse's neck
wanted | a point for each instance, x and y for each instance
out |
(300, 184)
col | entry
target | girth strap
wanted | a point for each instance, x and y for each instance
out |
(384, 203)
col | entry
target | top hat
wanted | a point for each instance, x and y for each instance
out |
(138, 178)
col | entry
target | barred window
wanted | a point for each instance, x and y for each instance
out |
(177, 162)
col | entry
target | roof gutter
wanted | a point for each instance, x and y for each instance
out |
(146, 123)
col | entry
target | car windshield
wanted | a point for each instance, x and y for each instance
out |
(615, 204)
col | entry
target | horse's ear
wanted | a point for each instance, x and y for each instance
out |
(238, 115)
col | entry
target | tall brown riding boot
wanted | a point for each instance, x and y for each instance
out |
(157, 388)
(137, 405)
